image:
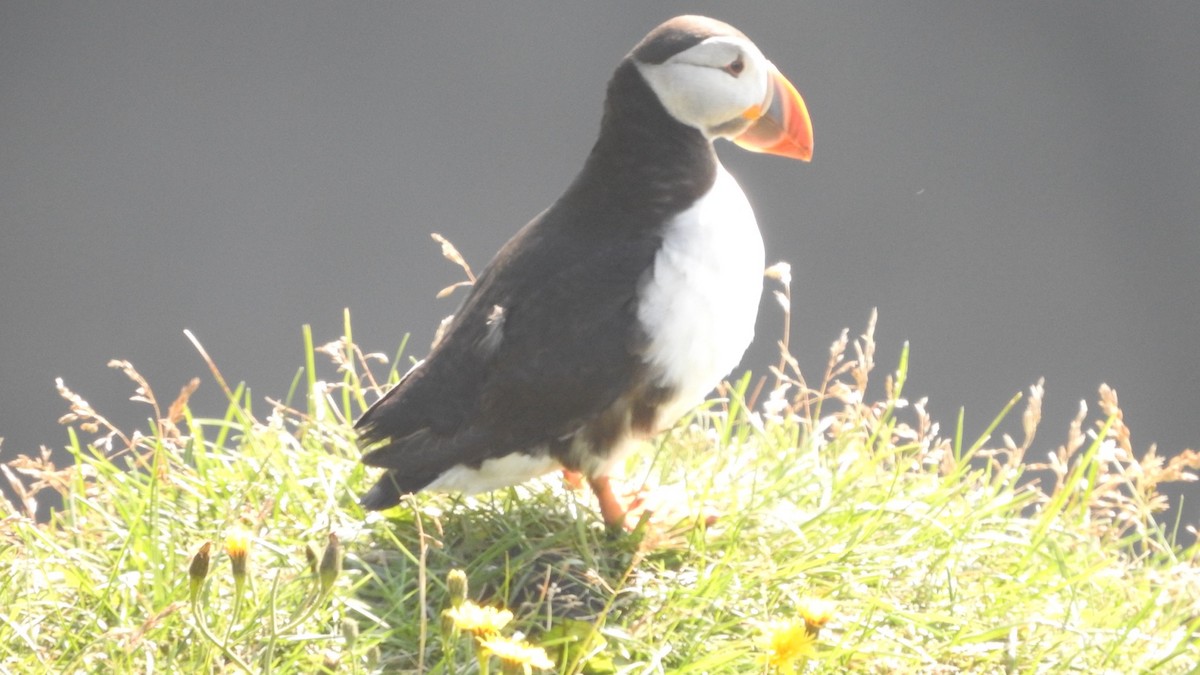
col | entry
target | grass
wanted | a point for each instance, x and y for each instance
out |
(925, 553)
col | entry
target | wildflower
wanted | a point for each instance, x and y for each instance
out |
(198, 570)
(816, 613)
(482, 622)
(456, 582)
(237, 546)
(516, 657)
(785, 643)
(331, 563)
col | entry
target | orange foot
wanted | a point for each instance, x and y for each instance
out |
(665, 510)
(610, 507)
(573, 479)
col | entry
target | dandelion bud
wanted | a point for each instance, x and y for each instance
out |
(350, 633)
(456, 581)
(331, 563)
(448, 624)
(198, 570)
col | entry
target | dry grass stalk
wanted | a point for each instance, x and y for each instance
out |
(1121, 497)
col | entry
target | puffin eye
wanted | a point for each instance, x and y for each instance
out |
(735, 67)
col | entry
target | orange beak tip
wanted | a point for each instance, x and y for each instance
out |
(785, 128)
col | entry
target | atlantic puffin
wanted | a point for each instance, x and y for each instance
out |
(618, 308)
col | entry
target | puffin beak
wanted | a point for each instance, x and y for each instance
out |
(781, 125)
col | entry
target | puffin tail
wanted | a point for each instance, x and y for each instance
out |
(412, 463)
(406, 472)
(385, 494)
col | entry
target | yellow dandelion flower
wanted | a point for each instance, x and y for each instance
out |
(237, 546)
(517, 657)
(816, 613)
(479, 621)
(785, 643)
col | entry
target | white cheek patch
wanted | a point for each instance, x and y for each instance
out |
(695, 88)
(690, 93)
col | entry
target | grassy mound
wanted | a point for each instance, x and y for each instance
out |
(849, 536)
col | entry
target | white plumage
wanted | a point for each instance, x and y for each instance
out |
(494, 473)
(699, 305)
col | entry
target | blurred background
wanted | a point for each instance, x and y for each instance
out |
(1016, 187)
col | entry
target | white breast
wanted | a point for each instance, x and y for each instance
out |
(698, 307)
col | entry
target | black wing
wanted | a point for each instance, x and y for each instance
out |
(547, 339)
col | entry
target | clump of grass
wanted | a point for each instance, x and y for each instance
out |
(851, 535)
(120, 577)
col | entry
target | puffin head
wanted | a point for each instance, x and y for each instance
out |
(710, 76)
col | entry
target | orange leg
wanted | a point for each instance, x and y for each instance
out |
(610, 509)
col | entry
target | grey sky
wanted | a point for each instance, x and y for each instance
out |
(1015, 185)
